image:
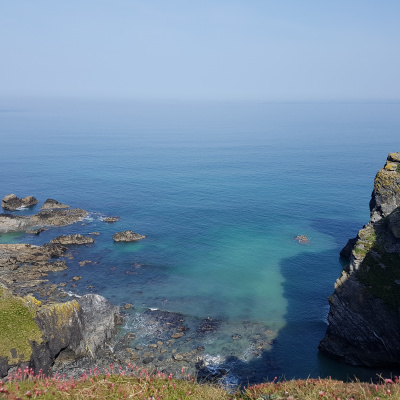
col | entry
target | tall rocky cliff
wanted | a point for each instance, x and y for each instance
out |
(364, 315)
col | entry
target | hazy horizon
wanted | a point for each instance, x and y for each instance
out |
(212, 50)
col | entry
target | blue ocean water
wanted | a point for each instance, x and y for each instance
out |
(220, 190)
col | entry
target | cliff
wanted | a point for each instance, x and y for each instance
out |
(36, 335)
(364, 315)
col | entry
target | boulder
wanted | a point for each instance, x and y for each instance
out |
(111, 219)
(52, 204)
(72, 239)
(11, 202)
(127, 236)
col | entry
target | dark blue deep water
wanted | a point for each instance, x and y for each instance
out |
(220, 190)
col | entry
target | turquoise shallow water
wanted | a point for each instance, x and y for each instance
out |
(220, 190)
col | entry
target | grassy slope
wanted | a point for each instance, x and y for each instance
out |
(142, 385)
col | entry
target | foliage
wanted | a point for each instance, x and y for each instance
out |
(398, 168)
(134, 383)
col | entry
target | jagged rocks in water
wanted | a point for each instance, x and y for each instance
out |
(72, 239)
(52, 204)
(364, 319)
(208, 325)
(11, 202)
(45, 218)
(111, 219)
(58, 217)
(127, 236)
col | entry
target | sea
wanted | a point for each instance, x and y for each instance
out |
(220, 190)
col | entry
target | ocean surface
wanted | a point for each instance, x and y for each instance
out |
(220, 190)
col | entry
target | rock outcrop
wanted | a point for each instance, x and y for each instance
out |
(45, 218)
(77, 328)
(111, 219)
(72, 239)
(364, 316)
(51, 204)
(11, 202)
(127, 236)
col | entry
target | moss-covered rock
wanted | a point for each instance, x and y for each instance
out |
(18, 327)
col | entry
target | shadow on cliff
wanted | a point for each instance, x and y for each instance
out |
(309, 279)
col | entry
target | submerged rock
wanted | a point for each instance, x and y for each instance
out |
(364, 315)
(72, 239)
(11, 202)
(127, 236)
(302, 239)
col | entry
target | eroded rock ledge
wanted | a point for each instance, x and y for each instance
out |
(45, 218)
(364, 315)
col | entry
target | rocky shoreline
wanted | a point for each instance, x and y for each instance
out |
(160, 340)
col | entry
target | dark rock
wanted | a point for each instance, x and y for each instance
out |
(364, 318)
(208, 325)
(394, 223)
(52, 204)
(58, 217)
(36, 231)
(127, 236)
(11, 202)
(72, 239)
(346, 251)
(111, 219)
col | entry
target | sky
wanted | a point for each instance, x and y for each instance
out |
(272, 50)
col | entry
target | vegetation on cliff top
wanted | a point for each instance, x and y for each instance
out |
(134, 383)
(18, 328)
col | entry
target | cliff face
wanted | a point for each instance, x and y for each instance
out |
(77, 328)
(364, 315)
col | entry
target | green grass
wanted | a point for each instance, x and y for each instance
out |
(134, 383)
(17, 328)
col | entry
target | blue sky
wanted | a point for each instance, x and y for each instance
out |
(218, 49)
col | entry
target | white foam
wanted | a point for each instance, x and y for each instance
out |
(73, 294)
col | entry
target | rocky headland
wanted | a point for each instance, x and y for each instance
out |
(364, 315)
